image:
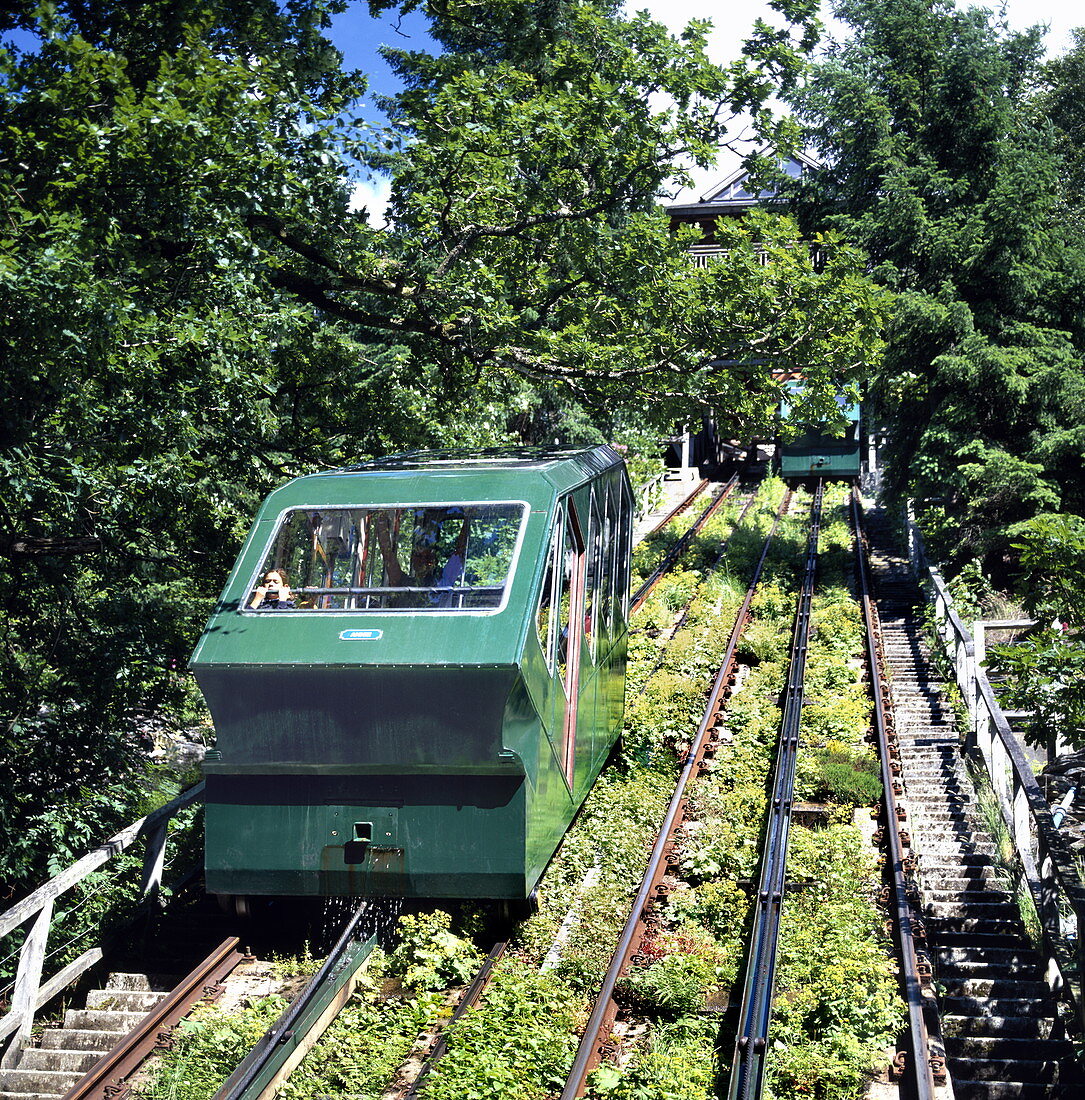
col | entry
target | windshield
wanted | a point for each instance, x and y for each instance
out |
(430, 557)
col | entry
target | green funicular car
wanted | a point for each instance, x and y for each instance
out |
(416, 672)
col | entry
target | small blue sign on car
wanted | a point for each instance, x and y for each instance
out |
(360, 635)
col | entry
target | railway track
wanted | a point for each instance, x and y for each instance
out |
(595, 1040)
(678, 509)
(751, 1044)
(922, 1060)
(674, 555)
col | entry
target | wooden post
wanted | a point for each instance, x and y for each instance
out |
(153, 861)
(27, 980)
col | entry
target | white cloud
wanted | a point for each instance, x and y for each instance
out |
(372, 195)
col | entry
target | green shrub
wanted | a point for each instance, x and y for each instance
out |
(719, 906)
(671, 986)
(519, 1042)
(847, 778)
(429, 955)
(676, 1062)
(206, 1048)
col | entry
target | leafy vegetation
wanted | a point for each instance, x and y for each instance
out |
(947, 157)
(207, 1046)
(428, 955)
(372, 1036)
(193, 311)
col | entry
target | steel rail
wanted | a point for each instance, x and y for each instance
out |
(593, 1041)
(681, 621)
(469, 999)
(287, 1041)
(679, 508)
(751, 1045)
(106, 1079)
(680, 547)
(921, 1064)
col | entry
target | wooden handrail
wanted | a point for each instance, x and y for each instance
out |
(30, 993)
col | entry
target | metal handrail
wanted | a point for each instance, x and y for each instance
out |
(1047, 863)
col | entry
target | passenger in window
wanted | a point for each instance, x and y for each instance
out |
(426, 571)
(273, 594)
(448, 575)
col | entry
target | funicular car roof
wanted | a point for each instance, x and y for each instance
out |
(448, 476)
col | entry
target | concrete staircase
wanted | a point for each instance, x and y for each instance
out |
(48, 1071)
(1000, 1022)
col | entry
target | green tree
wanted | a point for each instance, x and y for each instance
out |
(155, 379)
(940, 164)
(191, 311)
(1045, 672)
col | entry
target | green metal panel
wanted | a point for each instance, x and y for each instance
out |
(819, 456)
(422, 761)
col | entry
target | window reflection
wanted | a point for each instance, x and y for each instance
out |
(409, 558)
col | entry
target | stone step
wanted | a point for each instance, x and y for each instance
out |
(993, 988)
(71, 1061)
(64, 1039)
(973, 910)
(983, 1047)
(981, 1006)
(51, 1083)
(942, 879)
(143, 983)
(934, 844)
(986, 937)
(102, 1019)
(1009, 959)
(938, 795)
(964, 1089)
(981, 944)
(965, 861)
(1004, 1069)
(997, 1027)
(123, 1000)
(941, 821)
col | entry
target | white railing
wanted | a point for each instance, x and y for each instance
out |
(702, 254)
(1047, 865)
(31, 993)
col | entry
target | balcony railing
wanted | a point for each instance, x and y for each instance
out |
(703, 254)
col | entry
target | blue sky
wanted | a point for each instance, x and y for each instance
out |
(359, 37)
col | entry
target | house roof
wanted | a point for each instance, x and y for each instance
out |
(730, 195)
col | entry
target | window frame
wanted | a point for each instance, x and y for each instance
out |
(277, 524)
